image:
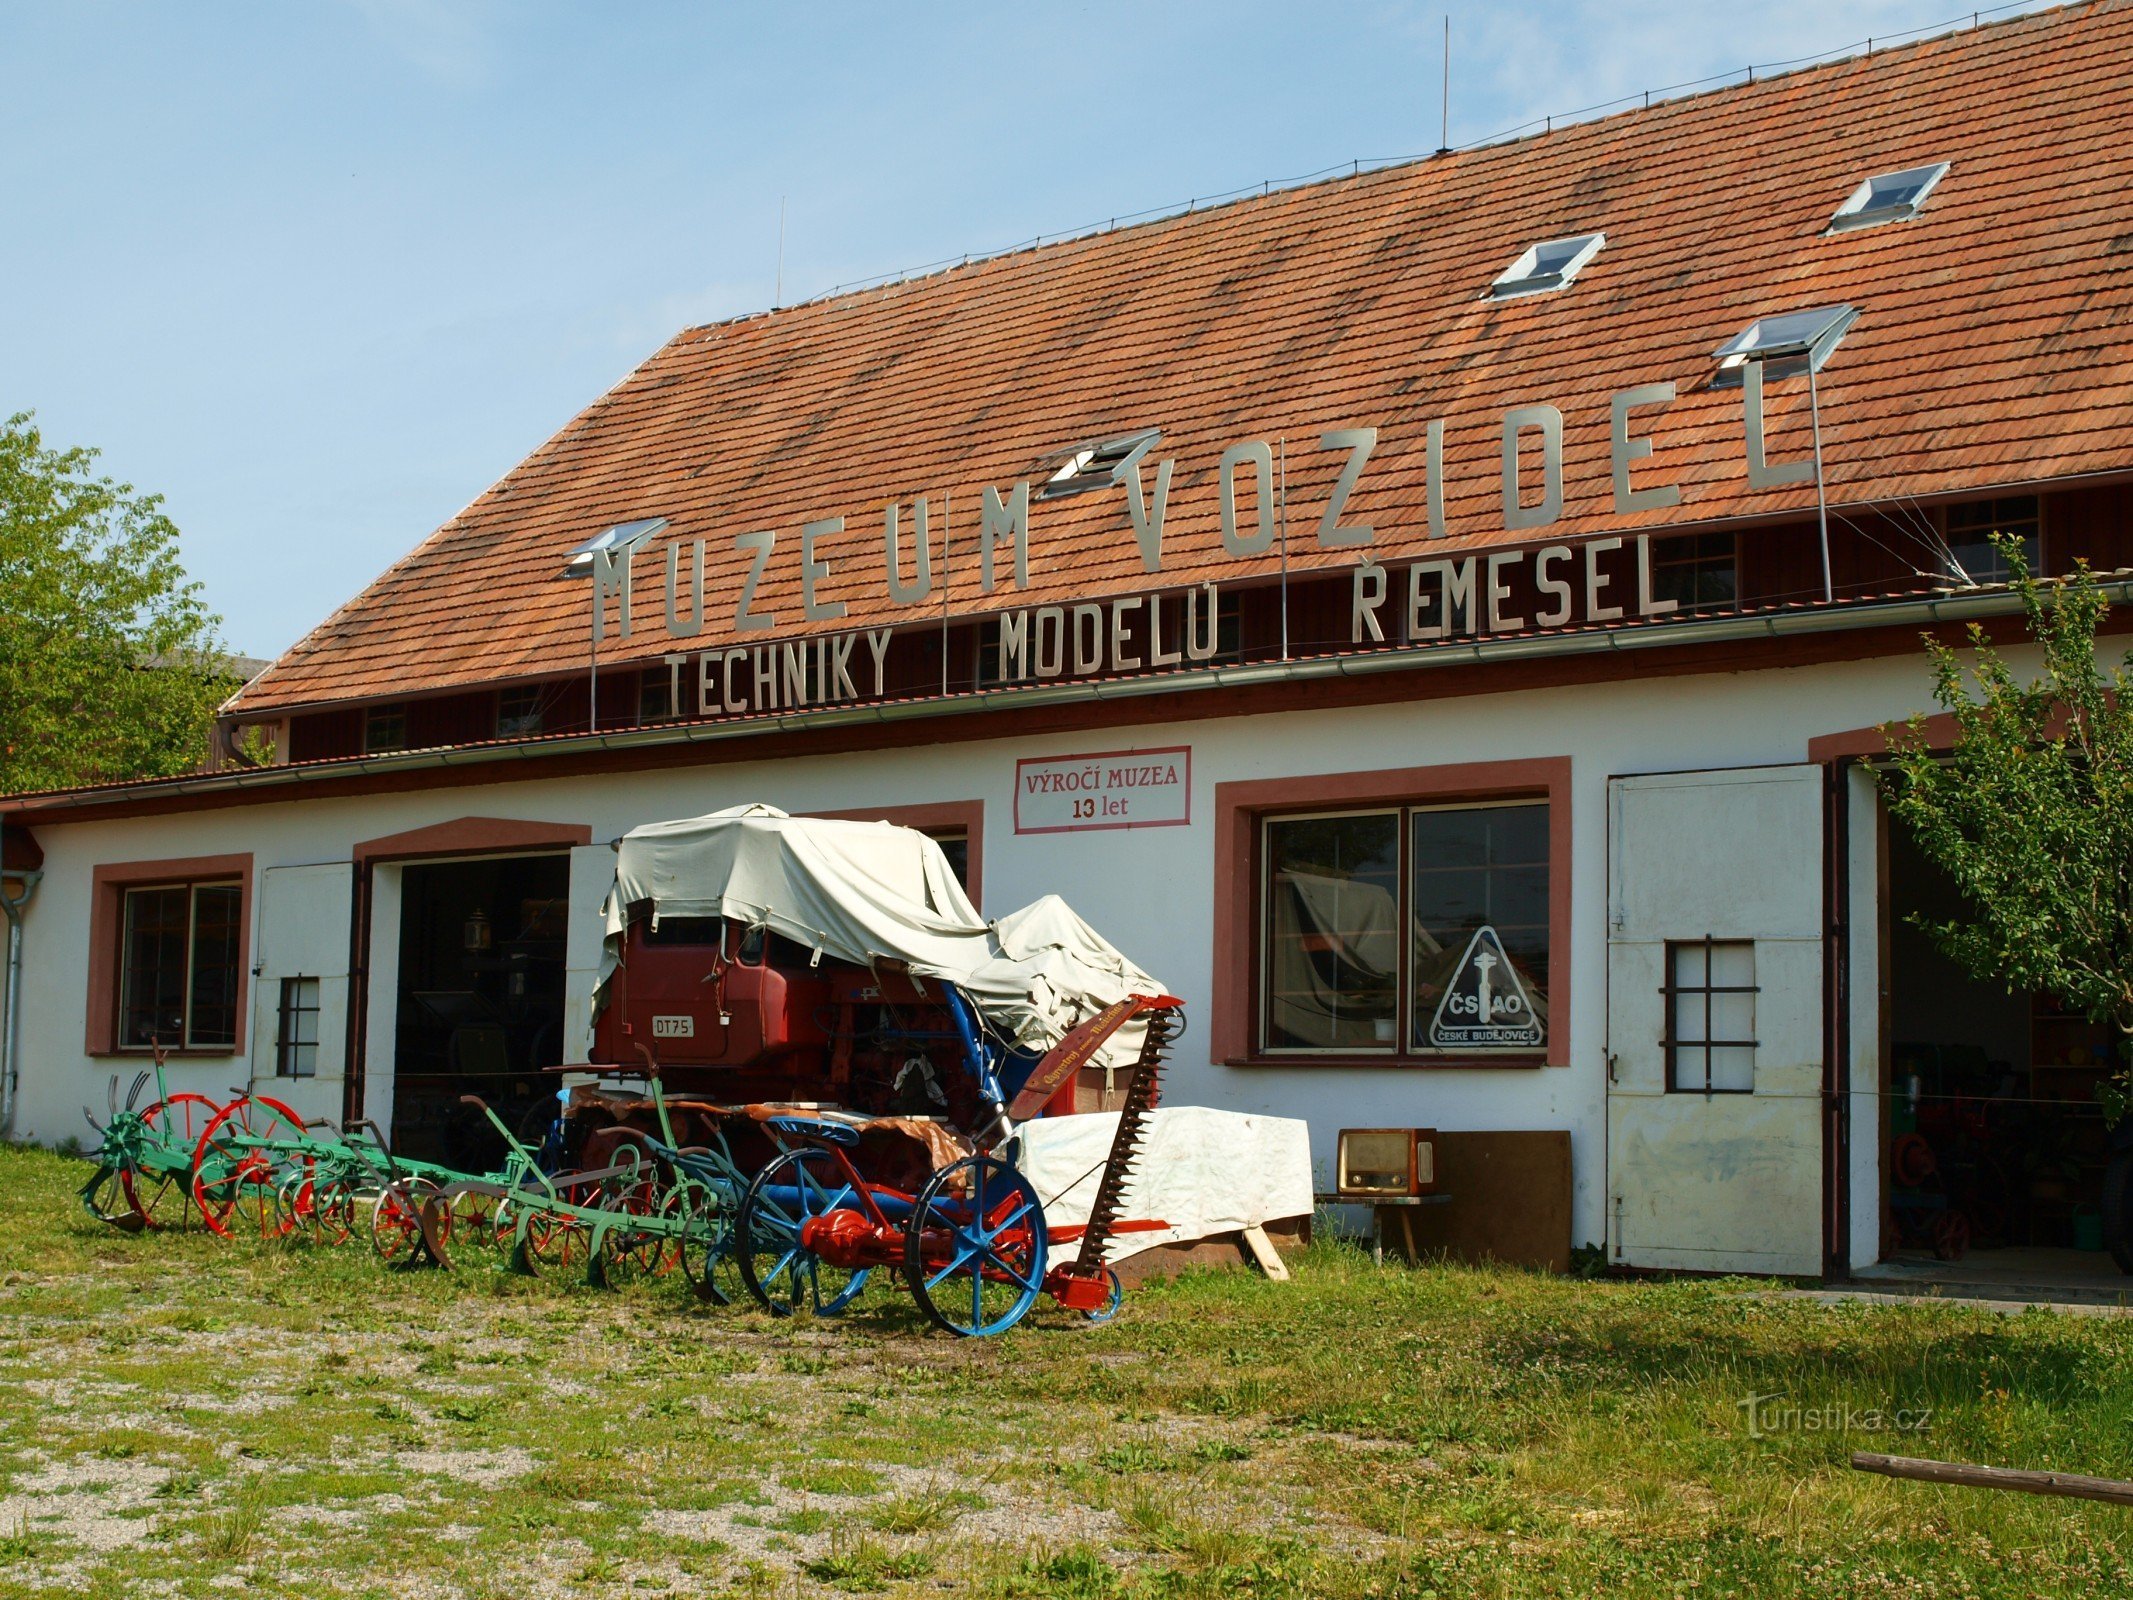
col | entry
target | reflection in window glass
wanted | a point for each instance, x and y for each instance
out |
(212, 1020)
(518, 713)
(1470, 868)
(1332, 954)
(152, 976)
(178, 966)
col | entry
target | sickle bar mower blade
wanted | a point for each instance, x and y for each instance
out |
(1125, 1144)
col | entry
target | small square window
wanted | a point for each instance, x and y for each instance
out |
(655, 695)
(296, 1037)
(1551, 264)
(1887, 197)
(1700, 574)
(384, 729)
(518, 713)
(1972, 554)
(1710, 1016)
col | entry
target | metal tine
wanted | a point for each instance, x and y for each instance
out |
(111, 1095)
(133, 1095)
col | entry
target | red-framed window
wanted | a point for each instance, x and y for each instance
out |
(169, 943)
(1414, 917)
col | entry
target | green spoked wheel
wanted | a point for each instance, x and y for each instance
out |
(626, 1253)
(781, 1273)
(974, 1251)
(705, 1247)
(148, 1154)
(105, 1194)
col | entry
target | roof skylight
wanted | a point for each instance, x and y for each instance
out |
(1787, 344)
(1890, 197)
(1550, 264)
(1089, 466)
(622, 537)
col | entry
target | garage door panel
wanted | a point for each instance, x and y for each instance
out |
(1722, 1184)
(1701, 1180)
(304, 919)
(1698, 840)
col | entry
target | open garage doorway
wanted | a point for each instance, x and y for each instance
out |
(1994, 1148)
(479, 1004)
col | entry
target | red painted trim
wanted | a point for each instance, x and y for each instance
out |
(1872, 743)
(1238, 810)
(466, 836)
(936, 816)
(1184, 750)
(108, 884)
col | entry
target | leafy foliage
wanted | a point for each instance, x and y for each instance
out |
(2031, 812)
(110, 663)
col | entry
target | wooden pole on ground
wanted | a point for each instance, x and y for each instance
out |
(2069, 1484)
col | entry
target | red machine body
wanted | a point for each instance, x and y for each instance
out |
(739, 1014)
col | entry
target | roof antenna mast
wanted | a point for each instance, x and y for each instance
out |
(777, 295)
(1444, 100)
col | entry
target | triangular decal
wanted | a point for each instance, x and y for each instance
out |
(1485, 1006)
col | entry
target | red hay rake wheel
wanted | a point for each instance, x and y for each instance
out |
(241, 1163)
(396, 1220)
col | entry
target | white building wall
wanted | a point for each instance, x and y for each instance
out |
(1149, 891)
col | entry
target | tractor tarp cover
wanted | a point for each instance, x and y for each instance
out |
(865, 891)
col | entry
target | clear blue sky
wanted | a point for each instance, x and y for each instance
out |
(319, 273)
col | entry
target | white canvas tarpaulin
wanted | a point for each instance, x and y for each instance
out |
(1203, 1171)
(867, 891)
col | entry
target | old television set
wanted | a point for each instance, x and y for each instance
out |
(1387, 1163)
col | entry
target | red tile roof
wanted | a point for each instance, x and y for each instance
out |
(1992, 349)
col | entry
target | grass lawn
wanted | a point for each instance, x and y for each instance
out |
(180, 1416)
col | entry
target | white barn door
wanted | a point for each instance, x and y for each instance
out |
(1714, 1020)
(300, 986)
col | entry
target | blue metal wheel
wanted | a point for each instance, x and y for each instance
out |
(1109, 1309)
(974, 1251)
(783, 1274)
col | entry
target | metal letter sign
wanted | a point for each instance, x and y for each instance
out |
(1485, 1006)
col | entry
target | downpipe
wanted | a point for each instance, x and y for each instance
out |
(13, 905)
